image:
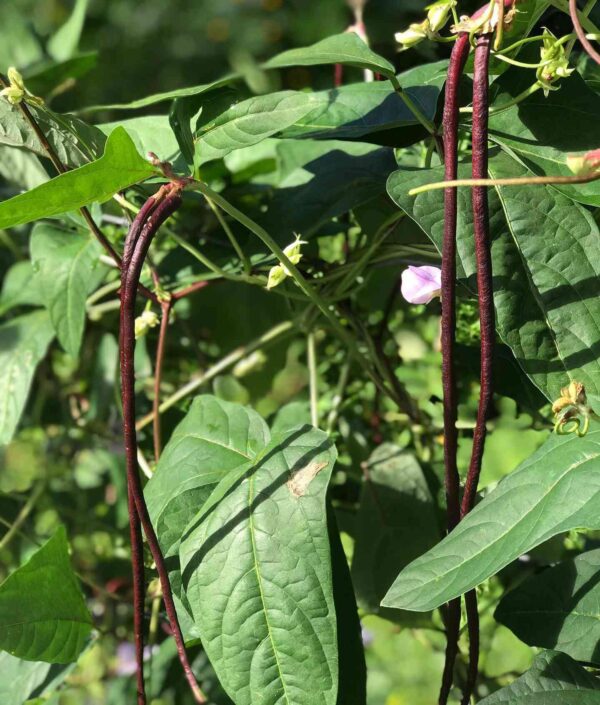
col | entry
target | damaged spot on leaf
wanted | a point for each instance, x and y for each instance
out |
(300, 480)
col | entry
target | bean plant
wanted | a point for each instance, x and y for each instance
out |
(284, 372)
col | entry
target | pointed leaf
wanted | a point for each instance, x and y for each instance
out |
(67, 268)
(558, 608)
(119, 167)
(43, 616)
(553, 679)
(257, 575)
(23, 343)
(63, 44)
(555, 490)
(347, 48)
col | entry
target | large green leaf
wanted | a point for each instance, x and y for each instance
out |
(23, 343)
(258, 578)
(543, 131)
(555, 490)
(250, 122)
(215, 439)
(119, 167)
(396, 523)
(361, 109)
(558, 608)
(322, 179)
(546, 265)
(67, 267)
(553, 679)
(74, 142)
(347, 48)
(43, 616)
(150, 133)
(21, 681)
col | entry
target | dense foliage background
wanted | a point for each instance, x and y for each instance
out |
(64, 467)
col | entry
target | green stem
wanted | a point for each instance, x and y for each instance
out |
(313, 380)
(515, 101)
(26, 510)
(338, 398)
(427, 124)
(232, 239)
(586, 23)
(277, 333)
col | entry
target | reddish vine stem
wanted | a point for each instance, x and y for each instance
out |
(483, 256)
(137, 248)
(166, 307)
(458, 58)
(585, 42)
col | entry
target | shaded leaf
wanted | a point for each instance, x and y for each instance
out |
(558, 608)
(553, 679)
(43, 616)
(119, 167)
(546, 267)
(396, 523)
(544, 130)
(347, 48)
(257, 575)
(555, 490)
(19, 288)
(21, 681)
(67, 268)
(23, 343)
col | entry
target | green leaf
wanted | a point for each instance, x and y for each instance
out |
(543, 131)
(63, 44)
(74, 142)
(67, 268)
(120, 166)
(21, 680)
(165, 96)
(21, 168)
(555, 490)
(250, 122)
(23, 343)
(350, 173)
(553, 679)
(546, 265)
(19, 288)
(257, 575)
(43, 616)
(150, 133)
(44, 78)
(215, 439)
(347, 48)
(558, 608)
(396, 523)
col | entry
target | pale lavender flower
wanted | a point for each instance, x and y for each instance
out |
(421, 284)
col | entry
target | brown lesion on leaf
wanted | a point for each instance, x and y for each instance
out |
(301, 479)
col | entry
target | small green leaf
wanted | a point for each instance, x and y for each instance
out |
(555, 490)
(43, 616)
(74, 141)
(558, 608)
(67, 268)
(553, 679)
(119, 167)
(347, 48)
(396, 523)
(258, 578)
(19, 288)
(63, 44)
(150, 133)
(23, 343)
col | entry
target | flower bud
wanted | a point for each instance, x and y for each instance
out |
(584, 164)
(413, 35)
(278, 273)
(143, 323)
(438, 13)
(555, 60)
